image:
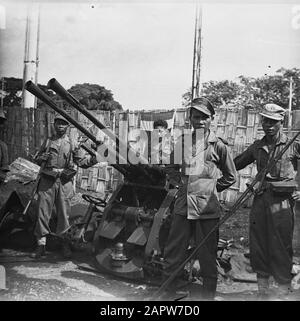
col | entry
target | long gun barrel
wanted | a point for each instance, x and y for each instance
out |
(120, 144)
(64, 94)
(36, 91)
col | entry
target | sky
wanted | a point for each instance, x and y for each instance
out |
(143, 51)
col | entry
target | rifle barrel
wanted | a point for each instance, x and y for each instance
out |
(36, 91)
(64, 94)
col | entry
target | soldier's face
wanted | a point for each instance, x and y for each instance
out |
(60, 127)
(200, 120)
(161, 130)
(271, 126)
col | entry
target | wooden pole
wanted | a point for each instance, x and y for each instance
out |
(290, 105)
(194, 56)
(2, 94)
(31, 52)
(296, 235)
(197, 54)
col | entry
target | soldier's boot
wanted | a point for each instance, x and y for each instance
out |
(283, 292)
(209, 288)
(175, 289)
(263, 288)
(40, 252)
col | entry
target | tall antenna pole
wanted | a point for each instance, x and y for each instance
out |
(194, 56)
(31, 53)
(37, 53)
(290, 105)
(197, 54)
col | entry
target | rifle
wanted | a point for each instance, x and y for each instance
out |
(35, 189)
(240, 201)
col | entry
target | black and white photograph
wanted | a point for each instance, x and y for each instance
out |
(149, 152)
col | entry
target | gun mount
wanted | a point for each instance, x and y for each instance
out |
(130, 238)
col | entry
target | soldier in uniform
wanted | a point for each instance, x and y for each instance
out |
(207, 168)
(58, 157)
(271, 216)
(160, 152)
(3, 151)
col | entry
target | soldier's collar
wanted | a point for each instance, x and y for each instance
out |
(281, 140)
(212, 138)
(65, 136)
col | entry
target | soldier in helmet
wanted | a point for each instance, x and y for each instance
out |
(58, 155)
(271, 216)
(3, 151)
(197, 209)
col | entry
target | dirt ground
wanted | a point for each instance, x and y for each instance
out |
(56, 279)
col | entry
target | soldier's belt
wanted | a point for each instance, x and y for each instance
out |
(282, 187)
(50, 172)
(63, 173)
(67, 174)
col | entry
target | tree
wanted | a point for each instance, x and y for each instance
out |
(12, 91)
(293, 73)
(91, 96)
(220, 92)
(249, 92)
(94, 97)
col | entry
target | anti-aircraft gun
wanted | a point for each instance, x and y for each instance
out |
(130, 238)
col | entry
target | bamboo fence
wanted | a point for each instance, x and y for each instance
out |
(27, 128)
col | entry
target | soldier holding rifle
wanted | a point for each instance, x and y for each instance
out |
(271, 216)
(197, 209)
(55, 185)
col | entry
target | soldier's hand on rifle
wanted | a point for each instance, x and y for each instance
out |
(43, 157)
(98, 143)
(296, 196)
(255, 187)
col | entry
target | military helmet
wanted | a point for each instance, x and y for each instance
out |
(59, 116)
(273, 111)
(204, 105)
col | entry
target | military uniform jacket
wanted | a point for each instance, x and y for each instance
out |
(285, 168)
(204, 172)
(63, 154)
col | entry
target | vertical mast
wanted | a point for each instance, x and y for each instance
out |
(31, 53)
(37, 53)
(2, 93)
(197, 54)
(290, 106)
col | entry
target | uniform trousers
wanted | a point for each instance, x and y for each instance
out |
(53, 193)
(181, 233)
(271, 235)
